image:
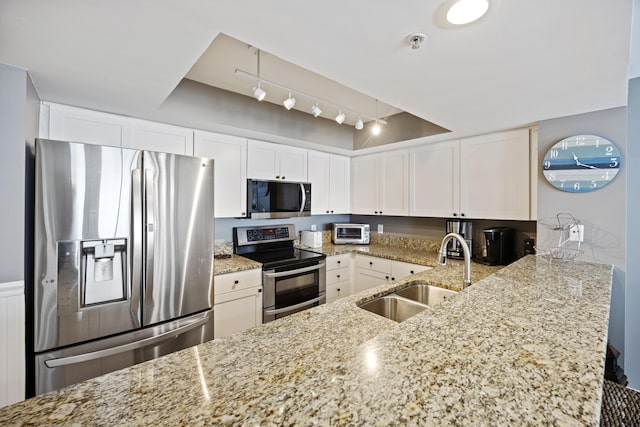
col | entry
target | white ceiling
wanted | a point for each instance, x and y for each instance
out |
(526, 61)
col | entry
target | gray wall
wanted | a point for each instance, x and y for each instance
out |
(18, 124)
(200, 106)
(632, 303)
(603, 212)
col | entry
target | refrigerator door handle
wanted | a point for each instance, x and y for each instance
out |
(85, 357)
(150, 215)
(136, 235)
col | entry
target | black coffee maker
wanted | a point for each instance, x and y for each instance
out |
(500, 246)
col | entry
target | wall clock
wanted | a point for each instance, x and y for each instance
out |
(581, 163)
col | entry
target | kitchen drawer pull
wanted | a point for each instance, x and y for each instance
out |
(236, 281)
(338, 276)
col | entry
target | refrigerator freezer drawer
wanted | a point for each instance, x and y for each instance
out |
(60, 368)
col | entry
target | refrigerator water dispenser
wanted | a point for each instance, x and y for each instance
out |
(103, 272)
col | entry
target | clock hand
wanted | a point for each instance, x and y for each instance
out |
(575, 158)
(586, 166)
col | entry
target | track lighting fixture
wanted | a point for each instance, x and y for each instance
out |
(258, 93)
(290, 102)
(315, 110)
(376, 128)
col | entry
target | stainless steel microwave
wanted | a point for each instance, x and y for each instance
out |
(278, 199)
(353, 234)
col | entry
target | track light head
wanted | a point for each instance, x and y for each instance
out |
(315, 110)
(258, 93)
(359, 125)
(290, 102)
(340, 118)
(376, 128)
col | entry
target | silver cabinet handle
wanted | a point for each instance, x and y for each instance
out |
(99, 354)
(294, 307)
(298, 270)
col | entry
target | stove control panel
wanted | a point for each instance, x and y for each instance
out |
(243, 236)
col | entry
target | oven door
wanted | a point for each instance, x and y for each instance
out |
(292, 290)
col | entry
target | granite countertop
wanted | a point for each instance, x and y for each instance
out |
(232, 264)
(524, 346)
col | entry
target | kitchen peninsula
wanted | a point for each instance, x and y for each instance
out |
(524, 346)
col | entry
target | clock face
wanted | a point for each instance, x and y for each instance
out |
(581, 163)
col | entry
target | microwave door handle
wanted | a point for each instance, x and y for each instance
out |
(294, 307)
(304, 198)
(296, 271)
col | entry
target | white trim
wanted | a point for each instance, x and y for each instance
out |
(10, 289)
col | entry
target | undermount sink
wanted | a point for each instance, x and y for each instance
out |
(394, 307)
(407, 302)
(426, 294)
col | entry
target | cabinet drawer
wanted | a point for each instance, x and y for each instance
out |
(403, 269)
(338, 275)
(373, 263)
(338, 261)
(224, 283)
(337, 291)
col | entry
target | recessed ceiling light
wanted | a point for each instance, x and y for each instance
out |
(456, 13)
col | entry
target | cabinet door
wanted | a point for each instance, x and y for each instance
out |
(161, 137)
(494, 176)
(364, 185)
(262, 162)
(337, 291)
(435, 180)
(292, 164)
(237, 311)
(319, 170)
(339, 184)
(230, 168)
(394, 183)
(87, 126)
(366, 279)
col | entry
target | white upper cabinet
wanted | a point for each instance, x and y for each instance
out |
(79, 125)
(380, 184)
(435, 179)
(276, 162)
(494, 176)
(480, 177)
(230, 168)
(329, 178)
(73, 124)
(161, 137)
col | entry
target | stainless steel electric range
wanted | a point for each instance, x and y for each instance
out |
(292, 279)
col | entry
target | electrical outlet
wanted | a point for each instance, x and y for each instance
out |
(576, 233)
(313, 227)
(380, 228)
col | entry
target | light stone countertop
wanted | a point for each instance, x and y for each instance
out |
(524, 346)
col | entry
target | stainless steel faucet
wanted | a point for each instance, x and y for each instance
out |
(442, 256)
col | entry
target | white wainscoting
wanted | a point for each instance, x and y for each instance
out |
(12, 353)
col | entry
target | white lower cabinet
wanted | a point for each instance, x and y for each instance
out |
(338, 276)
(237, 302)
(373, 271)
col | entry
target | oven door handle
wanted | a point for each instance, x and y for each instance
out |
(296, 271)
(294, 307)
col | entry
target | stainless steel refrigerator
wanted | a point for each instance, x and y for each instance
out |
(123, 259)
